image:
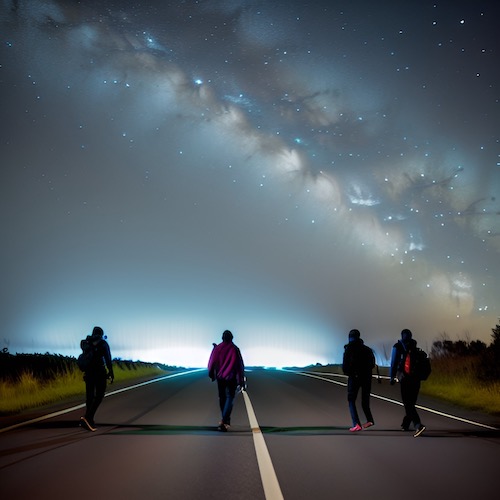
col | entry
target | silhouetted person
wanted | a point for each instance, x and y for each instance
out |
(410, 383)
(357, 364)
(95, 376)
(226, 366)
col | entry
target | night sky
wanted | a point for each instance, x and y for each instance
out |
(285, 169)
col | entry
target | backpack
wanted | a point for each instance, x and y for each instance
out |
(86, 358)
(421, 364)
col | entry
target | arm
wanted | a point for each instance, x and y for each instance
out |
(346, 362)
(212, 370)
(108, 361)
(394, 363)
(240, 376)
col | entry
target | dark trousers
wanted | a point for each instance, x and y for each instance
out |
(410, 387)
(95, 387)
(354, 384)
(227, 391)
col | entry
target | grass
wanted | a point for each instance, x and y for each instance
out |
(465, 392)
(28, 391)
(454, 380)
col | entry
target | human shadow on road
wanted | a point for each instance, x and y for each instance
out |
(55, 424)
(304, 431)
(457, 433)
(143, 429)
(158, 430)
(433, 433)
(380, 432)
(291, 430)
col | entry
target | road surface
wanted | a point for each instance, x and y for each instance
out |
(289, 439)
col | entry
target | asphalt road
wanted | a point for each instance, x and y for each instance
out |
(289, 439)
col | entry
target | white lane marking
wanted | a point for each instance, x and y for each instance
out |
(430, 410)
(68, 410)
(173, 375)
(272, 489)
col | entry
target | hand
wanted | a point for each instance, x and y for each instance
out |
(111, 377)
(243, 384)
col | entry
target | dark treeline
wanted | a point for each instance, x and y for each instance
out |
(487, 356)
(50, 366)
(43, 366)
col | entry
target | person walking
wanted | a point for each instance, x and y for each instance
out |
(226, 366)
(401, 371)
(358, 362)
(99, 369)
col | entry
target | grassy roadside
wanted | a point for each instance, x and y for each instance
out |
(29, 391)
(465, 392)
(456, 381)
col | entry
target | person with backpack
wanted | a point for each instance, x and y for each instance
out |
(357, 363)
(226, 366)
(404, 370)
(96, 363)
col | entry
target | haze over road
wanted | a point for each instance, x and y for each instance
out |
(158, 441)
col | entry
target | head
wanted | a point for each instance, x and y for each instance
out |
(227, 336)
(97, 332)
(406, 336)
(354, 335)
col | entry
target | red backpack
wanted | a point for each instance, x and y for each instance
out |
(407, 365)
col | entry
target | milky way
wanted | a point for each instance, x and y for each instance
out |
(288, 170)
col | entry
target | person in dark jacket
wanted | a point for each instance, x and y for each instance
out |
(410, 383)
(100, 369)
(226, 366)
(357, 364)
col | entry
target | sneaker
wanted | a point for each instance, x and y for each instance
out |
(420, 429)
(405, 429)
(356, 428)
(86, 424)
(222, 428)
(367, 424)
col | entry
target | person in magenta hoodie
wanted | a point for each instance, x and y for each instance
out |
(226, 366)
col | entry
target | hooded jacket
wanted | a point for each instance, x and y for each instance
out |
(226, 363)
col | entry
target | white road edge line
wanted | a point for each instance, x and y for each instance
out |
(272, 490)
(77, 407)
(430, 410)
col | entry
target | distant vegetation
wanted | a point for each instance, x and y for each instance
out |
(32, 380)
